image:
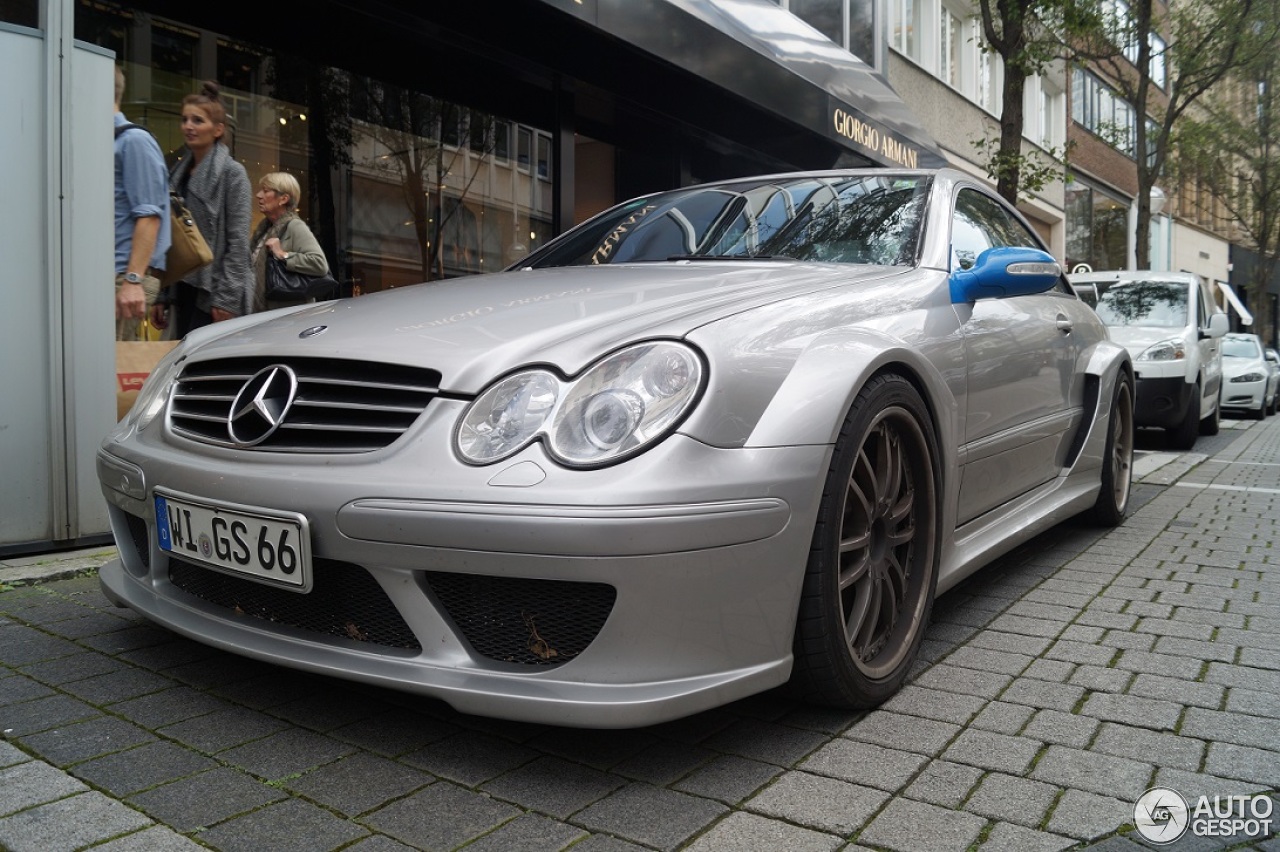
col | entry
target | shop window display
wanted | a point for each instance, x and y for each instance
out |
(398, 185)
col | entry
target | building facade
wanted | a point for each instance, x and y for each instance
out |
(937, 62)
(430, 140)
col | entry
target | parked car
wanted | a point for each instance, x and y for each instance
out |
(1273, 364)
(707, 441)
(1248, 382)
(1172, 327)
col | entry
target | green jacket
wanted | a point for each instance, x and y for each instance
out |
(296, 239)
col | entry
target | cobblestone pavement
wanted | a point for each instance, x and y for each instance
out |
(1056, 686)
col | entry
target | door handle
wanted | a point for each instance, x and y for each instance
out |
(1064, 324)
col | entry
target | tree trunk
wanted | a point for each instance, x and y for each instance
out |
(1011, 119)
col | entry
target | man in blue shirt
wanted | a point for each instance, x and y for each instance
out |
(142, 221)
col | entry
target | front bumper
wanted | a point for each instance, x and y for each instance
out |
(1244, 395)
(695, 586)
(1161, 401)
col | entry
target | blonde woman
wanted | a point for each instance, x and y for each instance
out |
(284, 235)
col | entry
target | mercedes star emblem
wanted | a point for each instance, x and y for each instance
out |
(260, 407)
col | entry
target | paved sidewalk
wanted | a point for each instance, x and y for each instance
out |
(1056, 686)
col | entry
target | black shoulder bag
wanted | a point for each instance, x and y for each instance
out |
(285, 285)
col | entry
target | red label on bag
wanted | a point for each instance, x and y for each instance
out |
(131, 381)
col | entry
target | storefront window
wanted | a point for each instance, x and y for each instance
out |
(1097, 228)
(23, 12)
(398, 185)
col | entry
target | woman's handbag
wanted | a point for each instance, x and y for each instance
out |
(285, 285)
(188, 251)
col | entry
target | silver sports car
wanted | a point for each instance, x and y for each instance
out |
(707, 442)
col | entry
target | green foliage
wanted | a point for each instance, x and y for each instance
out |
(1033, 172)
(1232, 147)
(1029, 36)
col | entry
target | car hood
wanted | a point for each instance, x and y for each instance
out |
(473, 329)
(1137, 338)
(1234, 366)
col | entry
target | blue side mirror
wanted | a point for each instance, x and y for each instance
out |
(1005, 271)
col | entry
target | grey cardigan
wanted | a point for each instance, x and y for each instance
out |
(221, 201)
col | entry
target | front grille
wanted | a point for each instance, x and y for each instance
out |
(344, 601)
(340, 406)
(530, 622)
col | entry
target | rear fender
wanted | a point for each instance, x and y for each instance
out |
(1107, 363)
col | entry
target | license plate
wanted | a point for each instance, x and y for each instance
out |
(267, 545)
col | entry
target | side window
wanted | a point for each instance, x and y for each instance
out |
(980, 223)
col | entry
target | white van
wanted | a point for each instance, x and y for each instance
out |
(1172, 327)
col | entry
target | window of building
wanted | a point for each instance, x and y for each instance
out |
(1097, 226)
(1159, 75)
(25, 13)
(849, 23)
(987, 83)
(953, 47)
(1044, 108)
(544, 156)
(502, 140)
(862, 30)
(905, 27)
(524, 148)
(1099, 109)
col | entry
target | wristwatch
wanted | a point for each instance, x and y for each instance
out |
(133, 278)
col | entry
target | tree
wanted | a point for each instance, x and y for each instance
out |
(1028, 36)
(424, 139)
(1207, 40)
(1233, 148)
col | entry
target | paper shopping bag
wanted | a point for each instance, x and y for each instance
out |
(134, 362)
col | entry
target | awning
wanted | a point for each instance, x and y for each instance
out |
(1233, 300)
(764, 54)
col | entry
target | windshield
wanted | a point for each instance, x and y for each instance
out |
(1155, 304)
(1240, 347)
(842, 219)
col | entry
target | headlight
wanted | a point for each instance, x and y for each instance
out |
(1165, 350)
(617, 407)
(507, 416)
(155, 390)
(1249, 377)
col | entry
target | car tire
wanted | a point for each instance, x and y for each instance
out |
(1112, 504)
(1261, 413)
(1184, 434)
(1212, 424)
(873, 565)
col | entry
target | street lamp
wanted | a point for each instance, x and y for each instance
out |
(1158, 199)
